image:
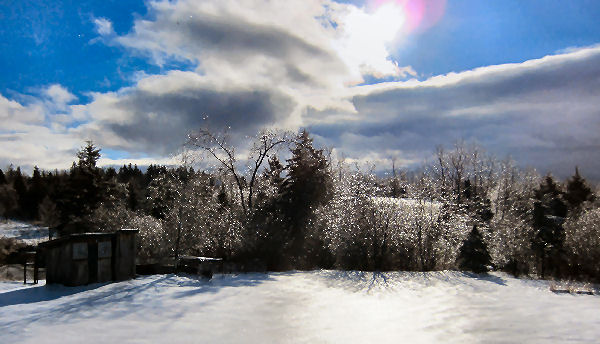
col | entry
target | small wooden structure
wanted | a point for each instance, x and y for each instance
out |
(29, 258)
(204, 266)
(80, 259)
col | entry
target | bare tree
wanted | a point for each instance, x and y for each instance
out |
(440, 170)
(459, 159)
(218, 147)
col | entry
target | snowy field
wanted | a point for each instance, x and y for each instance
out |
(301, 307)
(30, 234)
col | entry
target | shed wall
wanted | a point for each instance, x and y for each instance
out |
(91, 258)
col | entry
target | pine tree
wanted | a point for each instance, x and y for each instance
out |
(21, 189)
(578, 191)
(397, 184)
(549, 212)
(8, 200)
(474, 255)
(88, 155)
(307, 185)
(133, 196)
(10, 174)
(83, 191)
(3, 180)
(110, 173)
(35, 194)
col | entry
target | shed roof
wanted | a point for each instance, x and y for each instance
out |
(82, 236)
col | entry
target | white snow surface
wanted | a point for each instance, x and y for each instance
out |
(30, 234)
(301, 307)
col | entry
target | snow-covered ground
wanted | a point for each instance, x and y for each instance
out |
(301, 307)
(30, 234)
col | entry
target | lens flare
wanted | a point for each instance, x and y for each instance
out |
(367, 34)
(371, 33)
(419, 15)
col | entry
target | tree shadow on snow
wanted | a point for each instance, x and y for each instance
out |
(42, 293)
(357, 281)
(81, 300)
(485, 277)
(117, 292)
(202, 285)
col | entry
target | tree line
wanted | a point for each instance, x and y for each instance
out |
(291, 205)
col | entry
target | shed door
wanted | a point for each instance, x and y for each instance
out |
(93, 262)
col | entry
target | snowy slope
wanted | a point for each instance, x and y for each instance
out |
(301, 307)
(31, 234)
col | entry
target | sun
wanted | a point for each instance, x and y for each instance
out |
(371, 34)
(380, 25)
(368, 35)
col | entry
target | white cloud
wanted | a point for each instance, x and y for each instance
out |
(156, 114)
(59, 95)
(104, 27)
(364, 40)
(296, 63)
(250, 44)
(544, 112)
(329, 44)
(27, 139)
(168, 161)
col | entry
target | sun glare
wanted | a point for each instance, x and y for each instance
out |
(367, 35)
(373, 32)
(419, 15)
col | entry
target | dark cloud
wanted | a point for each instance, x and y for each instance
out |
(239, 36)
(544, 113)
(160, 122)
(233, 40)
(267, 64)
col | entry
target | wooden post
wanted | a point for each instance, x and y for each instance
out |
(35, 269)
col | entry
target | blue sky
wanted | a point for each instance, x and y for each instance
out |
(481, 33)
(52, 42)
(135, 76)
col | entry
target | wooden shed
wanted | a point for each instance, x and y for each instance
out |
(79, 259)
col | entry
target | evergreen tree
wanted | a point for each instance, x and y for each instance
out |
(110, 173)
(549, 212)
(88, 155)
(133, 196)
(35, 194)
(3, 180)
(478, 206)
(83, 192)
(578, 191)
(21, 190)
(474, 255)
(267, 238)
(10, 174)
(397, 184)
(8, 200)
(308, 185)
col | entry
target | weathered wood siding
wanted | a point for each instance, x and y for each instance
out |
(90, 258)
